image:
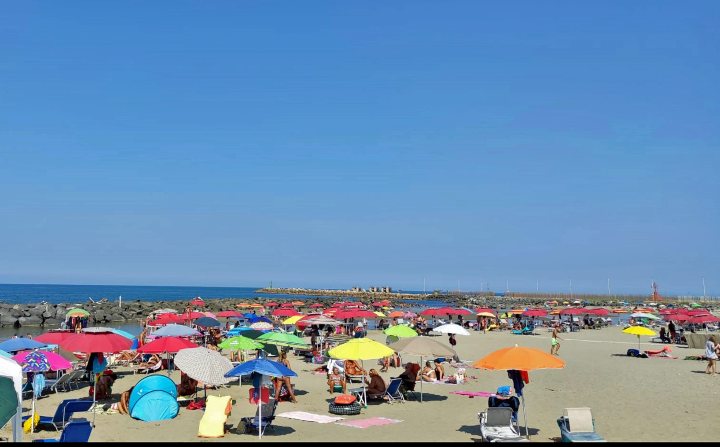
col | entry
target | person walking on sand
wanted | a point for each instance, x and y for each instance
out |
(711, 353)
(554, 343)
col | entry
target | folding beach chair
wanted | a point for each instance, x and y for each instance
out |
(392, 393)
(63, 413)
(254, 424)
(497, 425)
(77, 430)
(578, 425)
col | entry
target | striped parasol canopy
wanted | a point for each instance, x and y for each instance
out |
(262, 326)
(204, 365)
(77, 312)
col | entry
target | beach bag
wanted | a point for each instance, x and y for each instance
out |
(34, 421)
(345, 399)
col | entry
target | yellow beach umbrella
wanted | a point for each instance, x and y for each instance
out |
(293, 320)
(361, 349)
(639, 330)
(486, 314)
(379, 314)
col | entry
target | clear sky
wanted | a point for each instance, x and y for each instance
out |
(362, 143)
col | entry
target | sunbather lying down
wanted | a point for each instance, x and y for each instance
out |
(664, 352)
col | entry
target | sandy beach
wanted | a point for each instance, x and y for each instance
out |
(654, 399)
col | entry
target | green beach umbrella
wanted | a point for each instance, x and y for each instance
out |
(240, 343)
(401, 331)
(8, 400)
(77, 312)
(283, 339)
(4, 354)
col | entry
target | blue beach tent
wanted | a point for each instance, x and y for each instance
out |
(154, 398)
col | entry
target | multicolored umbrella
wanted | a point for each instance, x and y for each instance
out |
(55, 361)
(77, 312)
(34, 361)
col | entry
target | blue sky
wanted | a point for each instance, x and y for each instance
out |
(358, 143)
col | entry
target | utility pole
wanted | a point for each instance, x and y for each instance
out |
(537, 285)
(703, 288)
(608, 286)
(571, 291)
(507, 285)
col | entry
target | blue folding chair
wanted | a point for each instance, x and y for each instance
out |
(77, 430)
(64, 412)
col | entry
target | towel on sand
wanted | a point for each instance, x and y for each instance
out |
(310, 417)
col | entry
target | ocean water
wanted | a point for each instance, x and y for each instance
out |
(67, 293)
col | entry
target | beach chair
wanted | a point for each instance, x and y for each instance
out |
(392, 393)
(497, 425)
(77, 430)
(147, 368)
(254, 424)
(578, 425)
(63, 413)
(217, 410)
(60, 382)
(77, 377)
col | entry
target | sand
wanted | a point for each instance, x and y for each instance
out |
(631, 399)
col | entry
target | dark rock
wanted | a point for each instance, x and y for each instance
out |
(32, 320)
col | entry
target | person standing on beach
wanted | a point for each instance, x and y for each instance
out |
(671, 329)
(452, 340)
(554, 343)
(711, 353)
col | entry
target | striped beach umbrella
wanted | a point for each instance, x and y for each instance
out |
(204, 365)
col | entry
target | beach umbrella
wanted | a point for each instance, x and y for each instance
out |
(204, 365)
(600, 311)
(292, 320)
(486, 314)
(53, 337)
(167, 345)
(422, 347)
(250, 333)
(401, 331)
(259, 319)
(262, 326)
(409, 315)
(700, 319)
(535, 313)
(133, 339)
(229, 314)
(272, 304)
(20, 344)
(240, 343)
(319, 320)
(433, 312)
(77, 312)
(620, 311)
(176, 330)
(360, 349)
(278, 338)
(11, 396)
(7, 355)
(197, 302)
(644, 315)
(519, 359)
(55, 362)
(354, 313)
(207, 322)
(639, 330)
(396, 314)
(451, 328)
(677, 317)
(572, 311)
(379, 314)
(485, 309)
(35, 362)
(285, 312)
(259, 368)
(316, 306)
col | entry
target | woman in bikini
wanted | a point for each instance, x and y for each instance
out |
(336, 380)
(428, 373)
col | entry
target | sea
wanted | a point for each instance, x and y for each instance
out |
(80, 294)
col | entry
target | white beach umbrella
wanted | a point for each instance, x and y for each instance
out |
(451, 328)
(644, 315)
(204, 365)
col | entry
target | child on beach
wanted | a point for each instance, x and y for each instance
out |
(554, 343)
(711, 353)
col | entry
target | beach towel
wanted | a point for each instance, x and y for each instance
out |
(309, 417)
(472, 394)
(369, 422)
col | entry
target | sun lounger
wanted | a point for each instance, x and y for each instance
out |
(212, 424)
(77, 430)
(392, 393)
(578, 425)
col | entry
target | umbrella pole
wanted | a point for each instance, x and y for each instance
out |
(32, 414)
(527, 433)
(260, 427)
(421, 381)
(95, 380)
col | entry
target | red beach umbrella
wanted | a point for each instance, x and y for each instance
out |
(166, 344)
(272, 304)
(192, 315)
(433, 312)
(198, 302)
(535, 313)
(54, 338)
(679, 318)
(354, 313)
(600, 311)
(315, 305)
(572, 311)
(285, 312)
(229, 313)
(700, 319)
(88, 342)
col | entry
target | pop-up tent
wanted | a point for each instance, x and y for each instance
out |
(11, 396)
(154, 398)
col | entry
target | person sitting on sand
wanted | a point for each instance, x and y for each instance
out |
(428, 373)
(187, 386)
(663, 335)
(439, 370)
(336, 380)
(376, 385)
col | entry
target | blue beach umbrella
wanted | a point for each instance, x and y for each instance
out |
(261, 366)
(20, 344)
(129, 336)
(207, 322)
(257, 319)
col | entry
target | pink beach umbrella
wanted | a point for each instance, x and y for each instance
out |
(56, 361)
